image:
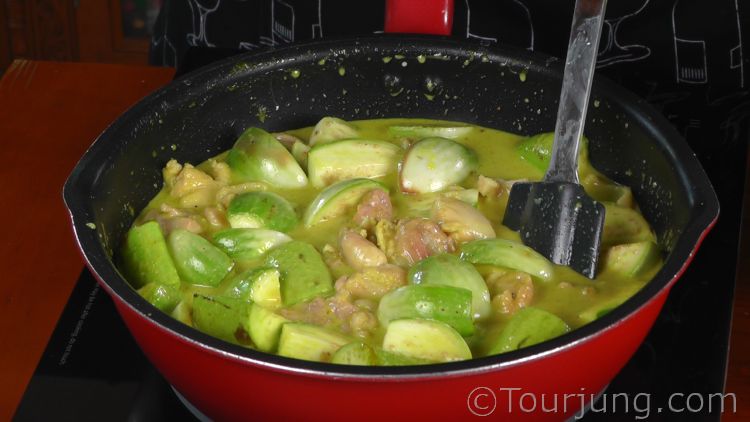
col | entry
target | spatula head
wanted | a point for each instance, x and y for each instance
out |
(558, 220)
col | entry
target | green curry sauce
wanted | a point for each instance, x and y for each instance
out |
(283, 244)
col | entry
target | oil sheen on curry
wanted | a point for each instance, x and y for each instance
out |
(374, 242)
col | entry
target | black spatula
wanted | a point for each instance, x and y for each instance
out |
(556, 217)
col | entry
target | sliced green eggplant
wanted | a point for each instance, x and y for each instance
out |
(220, 317)
(624, 225)
(433, 164)
(331, 129)
(461, 221)
(309, 342)
(183, 313)
(264, 327)
(146, 257)
(248, 244)
(537, 150)
(304, 275)
(349, 159)
(451, 305)
(429, 131)
(603, 190)
(338, 199)
(163, 296)
(448, 270)
(385, 358)
(264, 210)
(197, 260)
(259, 285)
(508, 254)
(631, 259)
(603, 306)
(258, 157)
(425, 339)
(300, 151)
(355, 353)
(528, 326)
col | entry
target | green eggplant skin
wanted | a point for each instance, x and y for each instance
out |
(304, 275)
(258, 157)
(263, 210)
(197, 260)
(451, 305)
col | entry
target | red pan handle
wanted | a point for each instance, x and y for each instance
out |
(419, 16)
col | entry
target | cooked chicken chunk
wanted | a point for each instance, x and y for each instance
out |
(510, 291)
(220, 171)
(488, 187)
(171, 218)
(170, 171)
(374, 206)
(189, 180)
(338, 310)
(335, 262)
(373, 282)
(417, 238)
(193, 187)
(359, 252)
(461, 221)
(216, 217)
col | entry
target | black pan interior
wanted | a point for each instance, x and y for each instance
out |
(202, 113)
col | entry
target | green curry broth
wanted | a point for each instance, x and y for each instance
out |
(567, 294)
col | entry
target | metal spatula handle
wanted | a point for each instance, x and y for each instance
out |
(583, 46)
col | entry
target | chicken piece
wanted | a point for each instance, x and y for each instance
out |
(491, 188)
(340, 285)
(220, 171)
(362, 323)
(510, 291)
(461, 221)
(333, 310)
(184, 223)
(373, 282)
(337, 310)
(216, 217)
(171, 170)
(385, 236)
(168, 211)
(359, 252)
(189, 180)
(335, 262)
(171, 218)
(488, 187)
(323, 310)
(150, 215)
(374, 206)
(417, 238)
(198, 198)
(194, 188)
(368, 304)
